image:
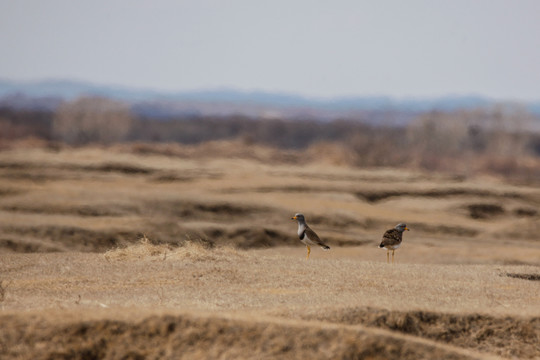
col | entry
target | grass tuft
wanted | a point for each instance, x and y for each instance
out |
(3, 290)
(191, 250)
(138, 251)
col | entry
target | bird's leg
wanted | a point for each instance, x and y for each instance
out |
(393, 256)
(308, 251)
(387, 256)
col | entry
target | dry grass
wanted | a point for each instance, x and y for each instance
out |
(189, 336)
(162, 254)
(3, 290)
(505, 336)
(138, 251)
(477, 307)
(193, 250)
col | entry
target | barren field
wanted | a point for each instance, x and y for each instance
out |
(166, 252)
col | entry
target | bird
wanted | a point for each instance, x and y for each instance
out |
(307, 235)
(392, 239)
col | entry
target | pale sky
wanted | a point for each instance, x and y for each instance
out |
(313, 48)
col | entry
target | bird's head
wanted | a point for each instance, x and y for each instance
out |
(298, 217)
(401, 227)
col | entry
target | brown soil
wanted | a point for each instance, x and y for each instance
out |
(141, 252)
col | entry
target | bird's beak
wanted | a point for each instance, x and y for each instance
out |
(407, 229)
(293, 218)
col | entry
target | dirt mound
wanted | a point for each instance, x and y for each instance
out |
(532, 277)
(251, 237)
(9, 191)
(179, 209)
(484, 211)
(123, 168)
(169, 176)
(184, 209)
(445, 229)
(336, 221)
(55, 238)
(506, 336)
(525, 212)
(108, 167)
(71, 237)
(28, 245)
(77, 210)
(375, 196)
(207, 337)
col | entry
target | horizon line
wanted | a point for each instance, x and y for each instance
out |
(251, 91)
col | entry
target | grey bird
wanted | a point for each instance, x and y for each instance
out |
(392, 239)
(307, 236)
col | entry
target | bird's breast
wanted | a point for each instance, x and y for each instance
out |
(301, 231)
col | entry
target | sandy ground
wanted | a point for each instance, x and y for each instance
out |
(219, 272)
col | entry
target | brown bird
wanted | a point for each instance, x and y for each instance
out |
(392, 240)
(308, 236)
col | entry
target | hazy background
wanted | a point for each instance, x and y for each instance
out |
(322, 49)
(440, 86)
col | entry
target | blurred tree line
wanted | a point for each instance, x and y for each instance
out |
(499, 137)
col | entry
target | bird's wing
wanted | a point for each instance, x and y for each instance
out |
(314, 237)
(391, 237)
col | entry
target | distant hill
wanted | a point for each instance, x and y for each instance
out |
(49, 93)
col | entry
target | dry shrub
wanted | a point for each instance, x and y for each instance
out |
(451, 143)
(382, 146)
(92, 120)
(141, 250)
(495, 140)
(190, 250)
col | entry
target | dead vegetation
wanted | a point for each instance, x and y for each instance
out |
(532, 277)
(501, 140)
(375, 196)
(344, 307)
(68, 237)
(505, 336)
(178, 229)
(3, 289)
(194, 337)
(483, 211)
(194, 250)
(74, 199)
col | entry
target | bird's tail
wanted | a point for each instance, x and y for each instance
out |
(381, 246)
(325, 247)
